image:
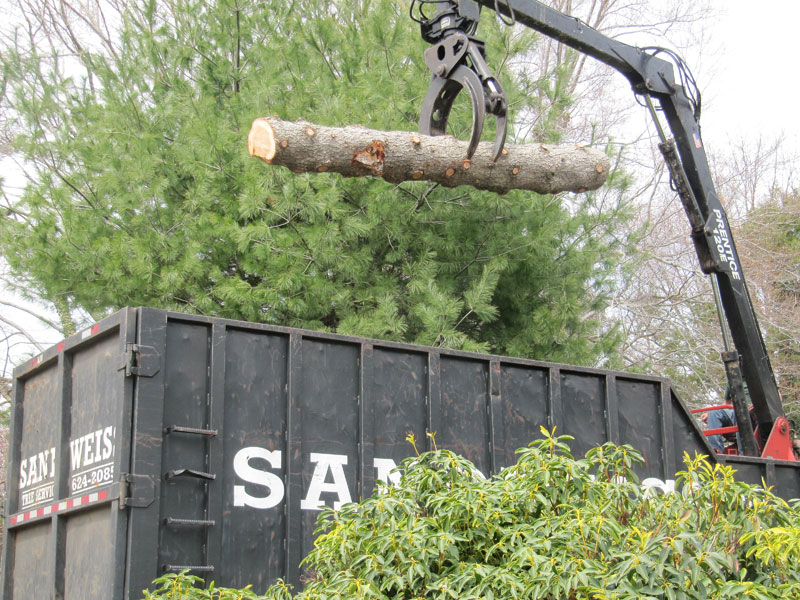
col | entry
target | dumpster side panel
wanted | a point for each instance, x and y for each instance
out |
(93, 430)
(184, 455)
(65, 532)
(326, 449)
(524, 407)
(89, 545)
(583, 404)
(640, 423)
(464, 424)
(786, 481)
(751, 472)
(686, 437)
(253, 516)
(33, 484)
(395, 395)
(30, 577)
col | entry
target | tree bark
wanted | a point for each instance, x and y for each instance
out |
(399, 156)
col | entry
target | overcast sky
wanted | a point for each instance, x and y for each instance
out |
(750, 86)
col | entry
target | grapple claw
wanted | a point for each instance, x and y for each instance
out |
(439, 100)
(436, 106)
(452, 72)
(496, 105)
(499, 138)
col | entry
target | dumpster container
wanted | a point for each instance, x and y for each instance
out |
(155, 441)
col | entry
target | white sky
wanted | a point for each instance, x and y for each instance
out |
(747, 73)
(750, 87)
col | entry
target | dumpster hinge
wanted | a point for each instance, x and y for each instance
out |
(143, 361)
(136, 491)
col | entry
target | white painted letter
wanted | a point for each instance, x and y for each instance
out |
(108, 448)
(325, 462)
(384, 467)
(88, 455)
(242, 468)
(44, 465)
(652, 483)
(76, 452)
(33, 475)
(98, 436)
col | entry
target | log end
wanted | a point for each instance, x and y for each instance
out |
(261, 140)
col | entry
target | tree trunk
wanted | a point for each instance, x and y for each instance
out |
(399, 156)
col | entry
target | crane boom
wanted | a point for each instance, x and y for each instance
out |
(653, 78)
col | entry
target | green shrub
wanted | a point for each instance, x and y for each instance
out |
(182, 586)
(553, 527)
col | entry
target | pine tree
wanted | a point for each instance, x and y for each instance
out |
(142, 193)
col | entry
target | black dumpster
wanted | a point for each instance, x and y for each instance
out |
(156, 441)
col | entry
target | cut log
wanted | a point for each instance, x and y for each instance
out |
(399, 156)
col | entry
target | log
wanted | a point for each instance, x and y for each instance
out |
(399, 156)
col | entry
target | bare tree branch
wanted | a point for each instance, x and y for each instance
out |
(22, 330)
(33, 313)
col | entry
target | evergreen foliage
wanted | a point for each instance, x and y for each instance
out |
(141, 191)
(551, 527)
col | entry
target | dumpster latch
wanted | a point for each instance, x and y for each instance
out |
(136, 491)
(143, 361)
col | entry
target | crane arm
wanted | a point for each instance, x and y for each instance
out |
(653, 78)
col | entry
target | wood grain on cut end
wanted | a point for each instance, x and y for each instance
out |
(261, 140)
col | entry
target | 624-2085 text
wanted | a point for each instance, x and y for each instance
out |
(94, 477)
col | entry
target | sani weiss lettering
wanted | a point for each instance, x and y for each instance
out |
(91, 459)
(91, 448)
(91, 465)
(328, 478)
(259, 483)
(36, 478)
(37, 468)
